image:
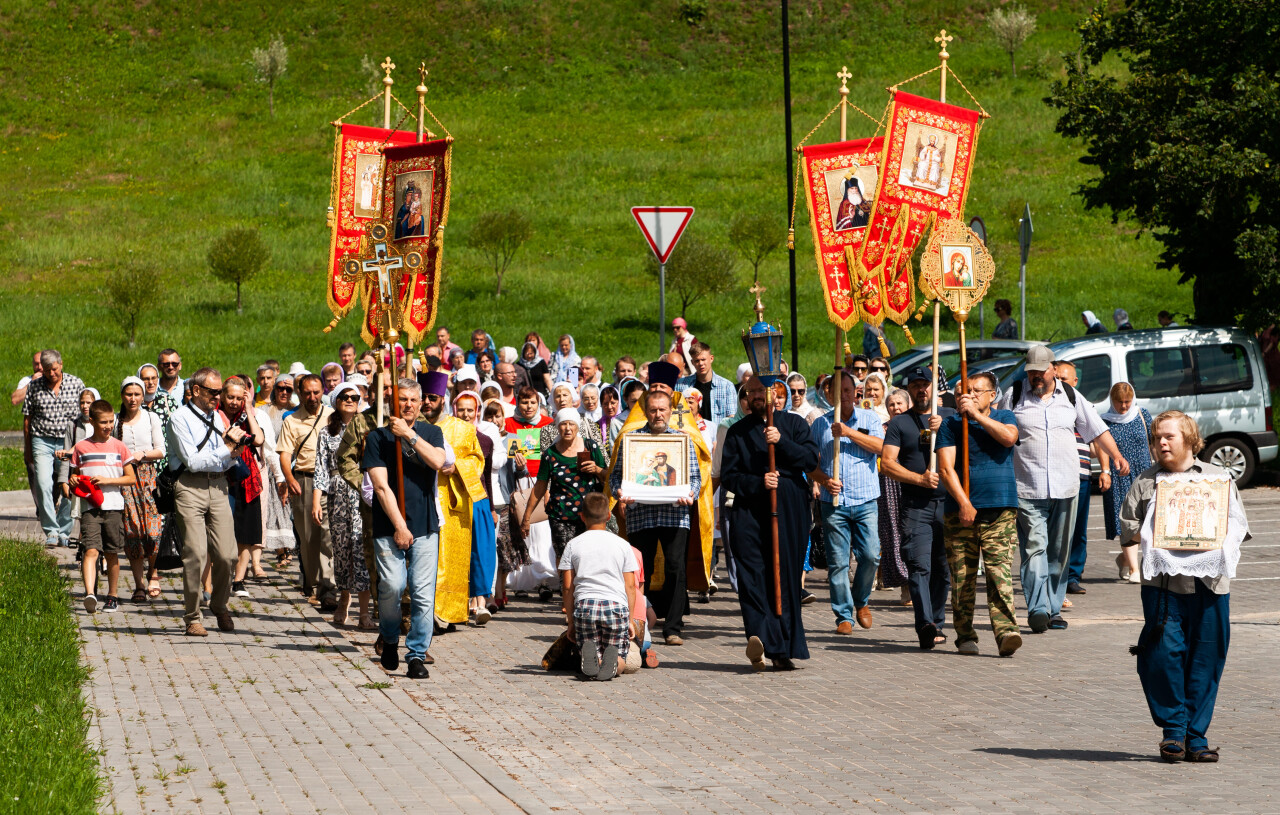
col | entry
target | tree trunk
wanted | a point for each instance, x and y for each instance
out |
(239, 306)
(1013, 63)
(271, 98)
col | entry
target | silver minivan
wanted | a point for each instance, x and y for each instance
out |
(1215, 375)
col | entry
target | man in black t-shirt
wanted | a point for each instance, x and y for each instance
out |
(905, 458)
(408, 543)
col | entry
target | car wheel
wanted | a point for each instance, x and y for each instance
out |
(1234, 456)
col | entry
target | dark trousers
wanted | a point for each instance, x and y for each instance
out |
(671, 602)
(1180, 670)
(1080, 537)
(925, 553)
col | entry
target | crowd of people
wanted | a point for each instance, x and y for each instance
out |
(431, 486)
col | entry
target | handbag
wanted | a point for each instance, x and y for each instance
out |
(520, 500)
(169, 550)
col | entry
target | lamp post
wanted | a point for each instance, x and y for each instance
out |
(763, 343)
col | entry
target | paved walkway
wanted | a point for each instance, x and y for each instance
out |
(291, 715)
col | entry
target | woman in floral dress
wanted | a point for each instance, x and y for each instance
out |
(342, 503)
(1130, 426)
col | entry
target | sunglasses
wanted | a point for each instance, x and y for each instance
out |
(284, 388)
(170, 364)
(797, 390)
(349, 397)
(879, 368)
(859, 367)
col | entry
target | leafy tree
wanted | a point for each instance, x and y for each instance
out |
(498, 236)
(132, 291)
(1185, 141)
(697, 269)
(1011, 29)
(268, 66)
(236, 257)
(755, 237)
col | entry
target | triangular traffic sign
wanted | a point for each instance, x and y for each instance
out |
(662, 227)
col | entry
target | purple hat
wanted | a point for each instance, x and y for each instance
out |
(663, 373)
(434, 382)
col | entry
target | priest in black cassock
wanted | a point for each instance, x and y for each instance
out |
(744, 471)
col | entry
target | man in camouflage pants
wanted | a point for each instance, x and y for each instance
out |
(984, 521)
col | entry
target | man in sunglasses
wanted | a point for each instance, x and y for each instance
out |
(171, 383)
(984, 522)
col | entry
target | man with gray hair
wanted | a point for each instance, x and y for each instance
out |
(52, 403)
(1049, 413)
(201, 450)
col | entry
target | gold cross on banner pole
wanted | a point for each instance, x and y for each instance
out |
(376, 262)
(387, 82)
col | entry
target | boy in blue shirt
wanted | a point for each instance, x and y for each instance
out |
(984, 521)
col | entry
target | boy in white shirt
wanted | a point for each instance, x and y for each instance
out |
(598, 573)
(104, 462)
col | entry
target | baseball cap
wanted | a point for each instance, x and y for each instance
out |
(1039, 358)
(918, 373)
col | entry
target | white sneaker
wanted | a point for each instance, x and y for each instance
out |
(969, 648)
(1135, 577)
(482, 616)
(90, 603)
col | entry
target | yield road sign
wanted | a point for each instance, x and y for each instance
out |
(662, 227)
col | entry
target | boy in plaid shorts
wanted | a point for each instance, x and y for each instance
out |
(598, 572)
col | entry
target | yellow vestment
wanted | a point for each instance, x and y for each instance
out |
(457, 494)
(702, 515)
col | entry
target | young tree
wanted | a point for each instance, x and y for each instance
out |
(697, 269)
(1184, 141)
(755, 237)
(268, 66)
(236, 256)
(498, 236)
(1011, 29)
(132, 291)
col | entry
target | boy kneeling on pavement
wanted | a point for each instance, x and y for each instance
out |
(598, 574)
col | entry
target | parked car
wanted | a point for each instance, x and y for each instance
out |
(998, 366)
(1214, 375)
(949, 355)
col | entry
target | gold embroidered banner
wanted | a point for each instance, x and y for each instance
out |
(840, 180)
(926, 161)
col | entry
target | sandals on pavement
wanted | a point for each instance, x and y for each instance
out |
(1171, 750)
(1208, 755)
(139, 595)
(153, 588)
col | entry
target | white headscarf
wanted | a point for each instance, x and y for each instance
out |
(1090, 318)
(133, 380)
(1113, 417)
(881, 409)
(591, 415)
(573, 392)
(568, 415)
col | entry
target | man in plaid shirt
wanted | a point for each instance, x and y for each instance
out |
(52, 403)
(667, 525)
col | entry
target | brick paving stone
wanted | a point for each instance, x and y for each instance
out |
(278, 717)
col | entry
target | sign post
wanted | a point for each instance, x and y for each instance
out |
(662, 228)
(1024, 246)
(979, 228)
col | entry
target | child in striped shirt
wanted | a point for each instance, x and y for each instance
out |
(102, 461)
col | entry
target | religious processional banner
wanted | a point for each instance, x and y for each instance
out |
(415, 206)
(355, 200)
(925, 164)
(840, 182)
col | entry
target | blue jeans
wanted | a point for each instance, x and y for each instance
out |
(417, 565)
(54, 511)
(1180, 671)
(1080, 538)
(852, 531)
(1044, 541)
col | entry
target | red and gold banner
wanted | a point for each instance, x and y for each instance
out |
(927, 157)
(840, 182)
(415, 198)
(355, 199)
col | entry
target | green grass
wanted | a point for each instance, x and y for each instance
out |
(13, 473)
(45, 762)
(571, 111)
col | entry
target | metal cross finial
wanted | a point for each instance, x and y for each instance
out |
(388, 66)
(943, 39)
(844, 76)
(758, 290)
(422, 73)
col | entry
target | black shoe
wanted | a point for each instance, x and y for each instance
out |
(1075, 588)
(927, 633)
(703, 598)
(806, 597)
(1057, 623)
(544, 593)
(783, 664)
(418, 669)
(390, 657)
(377, 645)
(1038, 622)
(111, 604)
(237, 588)
(608, 664)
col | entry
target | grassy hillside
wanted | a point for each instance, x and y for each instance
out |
(134, 134)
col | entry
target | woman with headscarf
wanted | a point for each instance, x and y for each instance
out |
(565, 363)
(589, 403)
(536, 369)
(797, 394)
(567, 478)
(1130, 426)
(335, 497)
(543, 351)
(143, 433)
(610, 404)
(874, 391)
(281, 403)
(1092, 325)
(503, 478)
(564, 396)
(1122, 320)
(893, 571)
(484, 542)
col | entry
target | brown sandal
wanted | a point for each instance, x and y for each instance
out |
(139, 596)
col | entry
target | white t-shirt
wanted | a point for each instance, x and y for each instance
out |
(598, 560)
